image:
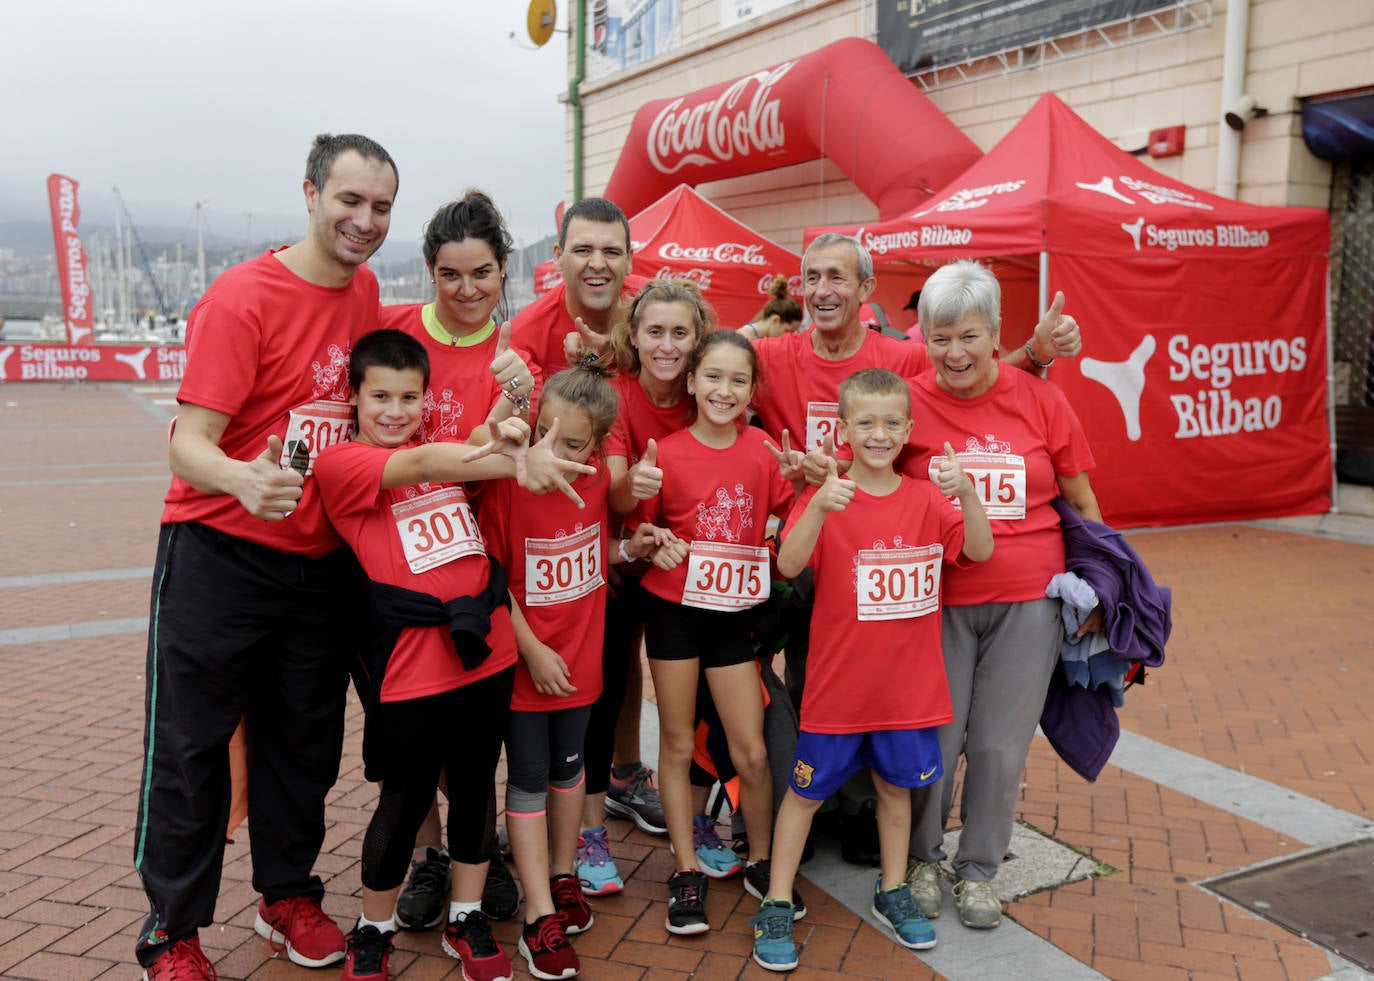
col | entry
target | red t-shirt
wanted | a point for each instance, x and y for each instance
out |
(1014, 440)
(462, 389)
(394, 533)
(261, 343)
(866, 675)
(800, 389)
(711, 495)
(638, 420)
(555, 557)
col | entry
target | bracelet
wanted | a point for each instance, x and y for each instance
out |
(522, 402)
(1030, 353)
(624, 555)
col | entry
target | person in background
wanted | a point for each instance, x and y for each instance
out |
(914, 331)
(780, 315)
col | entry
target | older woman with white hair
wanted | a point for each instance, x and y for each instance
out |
(1021, 444)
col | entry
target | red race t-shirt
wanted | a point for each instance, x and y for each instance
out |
(638, 420)
(555, 557)
(875, 660)
(800, 390)
(423, 538)
(715, 495)
(1014, 440)
(270, 350)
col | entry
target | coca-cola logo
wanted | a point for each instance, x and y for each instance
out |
(701, 277)
(740, 121)
(794, 284)
(550, 279)
(724, 252)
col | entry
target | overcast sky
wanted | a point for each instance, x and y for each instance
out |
(176, 102)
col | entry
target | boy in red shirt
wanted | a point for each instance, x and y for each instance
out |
(876, 685)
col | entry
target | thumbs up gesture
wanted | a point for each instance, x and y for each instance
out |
(646, 478)
(950, 477)
(266, 490)
(1057, 332)
(836, 492)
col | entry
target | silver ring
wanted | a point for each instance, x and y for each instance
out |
(513, 384)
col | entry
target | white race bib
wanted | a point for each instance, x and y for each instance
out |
(559, 570)
(899, 583)
(821, 419)
(1000, 479)
(312, 427)
(721, 576)
(437, 528)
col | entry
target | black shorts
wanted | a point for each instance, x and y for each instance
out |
(673, 632)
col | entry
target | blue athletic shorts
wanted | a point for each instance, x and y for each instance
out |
(902, 757)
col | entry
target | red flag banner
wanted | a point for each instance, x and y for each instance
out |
(71, 259)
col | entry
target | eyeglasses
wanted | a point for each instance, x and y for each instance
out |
(867, 427)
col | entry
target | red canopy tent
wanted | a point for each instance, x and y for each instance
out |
(1204, 382)
(684, 236)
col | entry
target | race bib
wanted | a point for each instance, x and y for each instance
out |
(728, 577)
(1000, 479)
(821, 419)
(899, 583)
(437, 528)
(559, 570)
(312, 427)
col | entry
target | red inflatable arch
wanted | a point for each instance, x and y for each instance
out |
(847, 102)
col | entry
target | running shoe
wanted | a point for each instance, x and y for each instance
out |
(183, 961)
(423, 903)
(471, 942)
(297, 924)
(898, 910)
(593, 864)
(546, 950)
(637, 800)
(687, 902)
(500, 894)
(774, 948)
(369, 949)
(570, 904)
(977, 904)
(715, 859)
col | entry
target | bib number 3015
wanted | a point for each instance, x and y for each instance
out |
(722, 576)
(437, 528)
(899, 583)
(559, 570)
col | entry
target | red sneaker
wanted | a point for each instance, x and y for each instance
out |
(297, 924)
(470, 941)
(183, 961)
(369, 949)
(570, 904)
(546, 950)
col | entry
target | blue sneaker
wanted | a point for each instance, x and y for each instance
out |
(898, 910)
(773, 946)
(713, 857)
(594, 865)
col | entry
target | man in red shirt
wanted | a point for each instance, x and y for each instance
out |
(253, 592)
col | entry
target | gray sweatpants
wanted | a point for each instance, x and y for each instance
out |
(999, 658)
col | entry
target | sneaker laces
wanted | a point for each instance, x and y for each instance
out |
(185, 961)
(369, 945)
(431, 875)
(689, 891)
(901, 903)
(301, 911)
(775, 922)
(475, 928)
(593, 848)
(548, 934)
(704, 836)
(641, 785)
(978, 891)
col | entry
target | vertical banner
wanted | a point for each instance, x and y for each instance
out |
(71, 259)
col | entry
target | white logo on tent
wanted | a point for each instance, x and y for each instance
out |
(1125, 380)
(135, 360)
(1133, 230)
(1105, 186)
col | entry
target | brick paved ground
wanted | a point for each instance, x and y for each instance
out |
(1273, 637)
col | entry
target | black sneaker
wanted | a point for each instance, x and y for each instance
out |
(756, 878)
(500, 895)
(369, 949)
(687, 902)
(637, 800)
(423, 903)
